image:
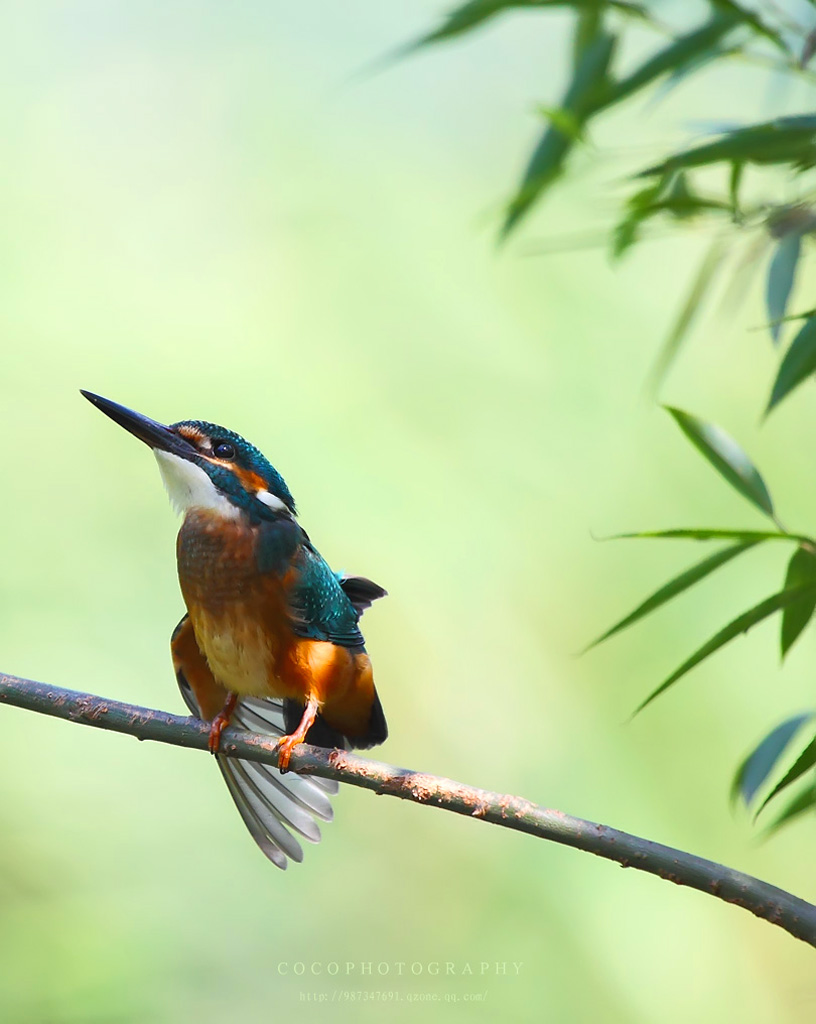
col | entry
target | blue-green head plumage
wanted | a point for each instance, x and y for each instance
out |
(236, 467)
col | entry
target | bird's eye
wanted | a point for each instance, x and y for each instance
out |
(223, 450)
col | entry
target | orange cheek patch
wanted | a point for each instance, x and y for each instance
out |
(250, 481)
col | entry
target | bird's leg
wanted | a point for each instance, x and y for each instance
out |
(286, 744)
(220, 722)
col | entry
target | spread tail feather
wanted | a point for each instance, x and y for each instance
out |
(275, 808)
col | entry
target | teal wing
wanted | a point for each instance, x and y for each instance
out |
(319, 606)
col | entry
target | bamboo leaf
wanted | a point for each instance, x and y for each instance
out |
(671, 196)
(753, 21)
(785, 140)
(639, 207)
(804, 315)
(677, 55)
(471, 15)
(738, 535)
(580, 101)
(803, 763)
(808, 49)
(781, 276)
(801, 802)
(801, 569)
(564, 121)
(475, 13)
(741, 624)
(758, 765)
(798, 364)
(734, 182)
(676, 586)
(716, 53)
(726, 456)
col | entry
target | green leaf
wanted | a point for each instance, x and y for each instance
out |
(589, 24)
(677, 56)
(741, 624)
(801, 569)
(639, 207)
(808, 49)
(716, 53)
(591, 91)
(798, 364)
(671, 196)
(734, 182)
(675, 587)
(564, 121)
(738, 535)
(803, 763)
(758, 765)
(704, 279)
(785, 140)
(683, 203)
(726, 456)
(753, 21)
(781, 275)
(804, 315)
(625, 234)
(801, 802)
(581, 100)
(474, 14)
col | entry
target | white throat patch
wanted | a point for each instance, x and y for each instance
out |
(189, 486)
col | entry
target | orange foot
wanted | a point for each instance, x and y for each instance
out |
(220, 722)
(286, 744)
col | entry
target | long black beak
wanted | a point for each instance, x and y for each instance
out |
(154, 434)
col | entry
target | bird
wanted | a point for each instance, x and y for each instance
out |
(271, 639)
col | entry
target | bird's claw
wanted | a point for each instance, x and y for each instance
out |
(217, 726)
(220, 722)
(285, 746)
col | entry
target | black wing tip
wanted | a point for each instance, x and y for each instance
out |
(377, 732)
(362, 592)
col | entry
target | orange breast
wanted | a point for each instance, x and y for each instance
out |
(238, 614)
(242, 625)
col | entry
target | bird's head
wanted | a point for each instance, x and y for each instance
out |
(207, 466)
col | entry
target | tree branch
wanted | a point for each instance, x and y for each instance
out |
(766, 901)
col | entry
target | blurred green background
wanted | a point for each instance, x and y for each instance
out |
(216, 211)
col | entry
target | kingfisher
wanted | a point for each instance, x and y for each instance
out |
(271, 639)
